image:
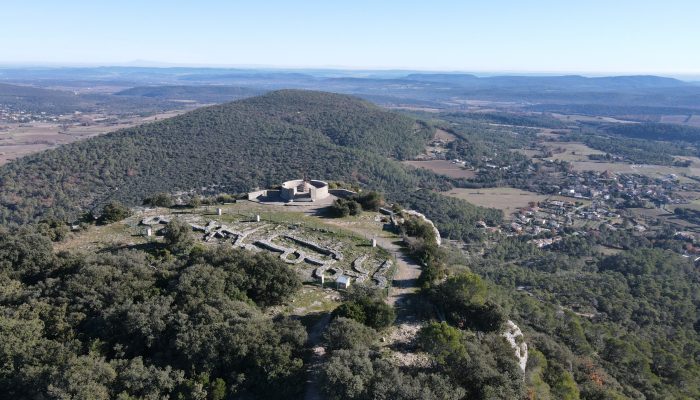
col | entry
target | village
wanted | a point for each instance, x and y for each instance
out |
(11, 115)
(588, 201)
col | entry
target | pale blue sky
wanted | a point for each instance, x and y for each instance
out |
(621, 36)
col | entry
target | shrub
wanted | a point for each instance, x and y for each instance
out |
(348, 334)
(159, 200)
(370, 201)
(114, 211)
(344, 207)
(178, 237)
(371, 312)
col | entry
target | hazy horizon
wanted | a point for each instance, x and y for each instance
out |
(341, 69)
(540, 37)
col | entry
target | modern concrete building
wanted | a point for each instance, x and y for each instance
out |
(304, 190)
(297, 190)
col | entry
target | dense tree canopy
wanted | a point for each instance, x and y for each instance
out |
(98, 326)
(236, 147)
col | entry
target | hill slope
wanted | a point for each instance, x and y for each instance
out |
(233, 147)
(33, 99)
(204, 94)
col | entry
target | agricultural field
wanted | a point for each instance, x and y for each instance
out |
(441, 134)
(674, 119)
(17, 140)
(506, 199)
(694, 120)
(529, 153)
(443, 167)
(570, 151)
(654, 171)
(588, 118)
(652, 214)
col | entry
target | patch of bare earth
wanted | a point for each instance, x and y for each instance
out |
(443, 167)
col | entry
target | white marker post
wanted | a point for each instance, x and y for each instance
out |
(219, 211)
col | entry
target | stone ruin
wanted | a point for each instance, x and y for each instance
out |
(250, 240)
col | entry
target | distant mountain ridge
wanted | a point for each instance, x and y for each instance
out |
(203, 94)
(563, 81)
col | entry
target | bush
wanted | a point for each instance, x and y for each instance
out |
(348, 334)
(159, 200)
(344, 207)
(370, 201)
(178, 237)
(53, 229)
(464, 300)
(114, 211)
(194, 201)
(371, 312)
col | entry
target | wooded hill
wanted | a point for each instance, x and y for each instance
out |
(235, 147)
(55, 102)
(202, 94)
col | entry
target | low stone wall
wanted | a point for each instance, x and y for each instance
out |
(254, 195)
(316, 247)
(342, 193)
(357, 264)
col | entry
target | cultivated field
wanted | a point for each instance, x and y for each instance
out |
(506, 199)
(655, 171)
(529, 153)
(673, 119)
(444, 135)
(571, 151)
(588, 118)
(443, 167)
(694, 120)
(17, 140)
(651, 214)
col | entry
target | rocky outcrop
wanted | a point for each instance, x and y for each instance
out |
(515, 338)
(414, 213)
(357, 265)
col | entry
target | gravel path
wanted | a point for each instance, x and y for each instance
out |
(405, 282)
(312, 385)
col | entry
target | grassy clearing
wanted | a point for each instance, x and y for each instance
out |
(444, 135)
(312, 299)
(654, 171)
(506, 199)
(443, 167)
(571, 151)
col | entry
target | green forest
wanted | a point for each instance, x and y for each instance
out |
(233, 148)
(620, 324)
(182, 320)
(130, 325)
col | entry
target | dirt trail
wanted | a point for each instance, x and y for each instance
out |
(312, 385)
(405, 282)
(403, 286)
